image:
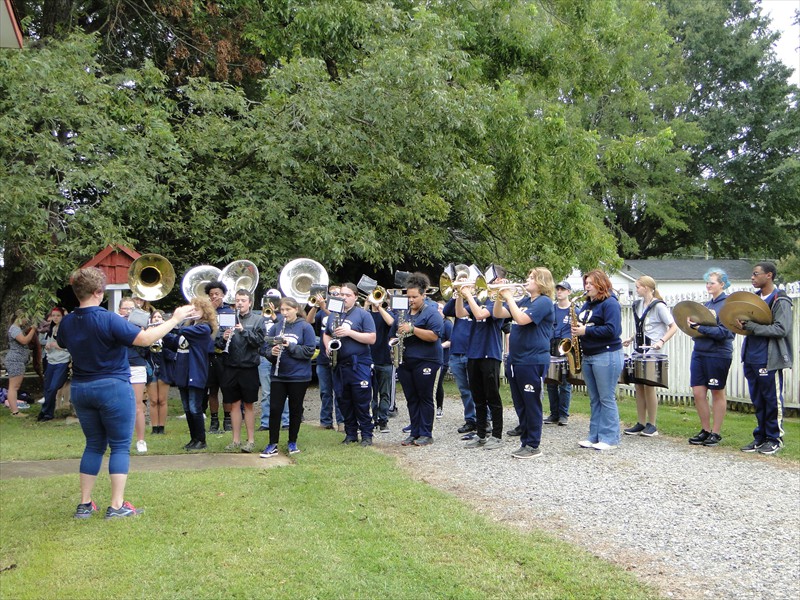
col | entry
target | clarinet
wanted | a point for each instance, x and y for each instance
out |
(233, 330)
(280, 352)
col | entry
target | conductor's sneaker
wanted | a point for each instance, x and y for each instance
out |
(602, 446)
(423, 440)
(292, 447)
(526, 452)
(563, 421)
(517, 431)
(126, 510)
(753, 446)
(270, 450)
(586, 444)
(493, 443)
(712, 440)
(550, 420)
(699, 438)
(407, 428)
(649, 430)
(141, 446)
(86, 510)
(248, 447)
(467, 427)
(769, 447)
(635, 430)
(475, 442)
(409, 441)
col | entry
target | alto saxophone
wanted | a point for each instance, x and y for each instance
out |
(398, 344)
(335, 344)
(571, 346)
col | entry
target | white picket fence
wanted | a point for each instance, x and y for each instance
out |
(679, 351)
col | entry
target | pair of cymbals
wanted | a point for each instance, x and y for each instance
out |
(694, 311)
(744, 306)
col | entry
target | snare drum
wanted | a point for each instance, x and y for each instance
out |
(556, 370)
(626, 375)
(651, 369)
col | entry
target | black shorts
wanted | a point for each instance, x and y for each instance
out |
(216, 364)
(240, 384)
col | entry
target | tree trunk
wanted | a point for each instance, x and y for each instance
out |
(56, 18)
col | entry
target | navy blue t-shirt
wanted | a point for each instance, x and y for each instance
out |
(381, 353)
(359, 320)
(530, 344)
(415, 348)
(486, 340)
(98, 342)
(755, 349)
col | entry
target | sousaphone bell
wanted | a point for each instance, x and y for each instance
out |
(151, 277)
(297, 277)
(240, 274)
(195, 280)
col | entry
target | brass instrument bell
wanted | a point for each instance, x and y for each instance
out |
(195, 280)
(151, 277)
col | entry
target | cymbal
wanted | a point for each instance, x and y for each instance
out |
(744, 306)
(694, 311)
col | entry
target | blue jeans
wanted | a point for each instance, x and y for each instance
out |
(458, 367)
(325, 379)
(264, 370)
(601, 373)
(55, 376)
(560, 395)
(106, 410)
(381, 390)
(192, 400)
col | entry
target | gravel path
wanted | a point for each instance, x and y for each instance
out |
(692, 521)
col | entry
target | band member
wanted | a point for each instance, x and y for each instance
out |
(137, 360)
(57, 369)
(162, 361)
(711, 361)
(265, 367)
(484, 357)
(560, 394)
(193, 343)
(654, 327)
(528, 355)
(318, 316)
(216, 291)
(240, 345)
(101, 391)
(419, 370)
(20, 334)
(459, 341)
(765, 353)
(447, 333)
(355, 330)
(600, 329)
(291, 349)
(382, 368)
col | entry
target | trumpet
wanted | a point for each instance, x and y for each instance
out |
(494, 290)
(481, 292)
(377, 296)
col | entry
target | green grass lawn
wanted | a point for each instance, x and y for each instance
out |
(342, 522)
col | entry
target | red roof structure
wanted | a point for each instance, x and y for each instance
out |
(10, 31)
(114, 261)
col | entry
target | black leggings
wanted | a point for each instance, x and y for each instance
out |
(279, 391)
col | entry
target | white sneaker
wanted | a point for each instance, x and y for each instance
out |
(585, 444)
(141, 446)
(603, 446)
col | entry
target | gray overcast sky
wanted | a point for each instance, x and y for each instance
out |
(782, 14)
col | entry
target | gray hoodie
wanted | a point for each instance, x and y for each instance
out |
(779, 332)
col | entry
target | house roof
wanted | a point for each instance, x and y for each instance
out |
(685, 269)
(10, 31)
(114, 261)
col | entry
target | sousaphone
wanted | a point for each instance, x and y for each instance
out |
(696, 312)
(240, 274)
(744, 306)
(195, 280)
(151, 277)
(297, 277)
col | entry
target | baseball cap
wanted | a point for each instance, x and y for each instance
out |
(564, 284)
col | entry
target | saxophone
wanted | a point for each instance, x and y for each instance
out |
(335, 344)
(571, 346)
(398, 345)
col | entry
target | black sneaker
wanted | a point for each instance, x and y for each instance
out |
(635, 430)
(769, 447)
(713, 439)
(699, 438)
(383, 428)
(348, 440)
(563, 421)
(467, 427)
(214, 425)
(366, 441)
(753, 446)
(198, 445)
(516, 432)
(550, 420)
(84, 511)
(126, 510)
(226, 425)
